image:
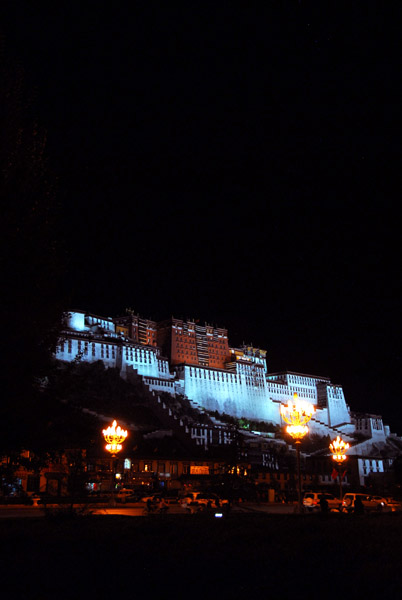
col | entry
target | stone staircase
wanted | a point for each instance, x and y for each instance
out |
(182, 428)
(336, 429)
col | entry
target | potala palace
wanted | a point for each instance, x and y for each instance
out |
(197, 362)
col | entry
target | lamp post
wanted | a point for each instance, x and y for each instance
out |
(297, 414)
(338, 448)
(114, 436)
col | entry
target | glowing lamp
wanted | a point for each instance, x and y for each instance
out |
(297, 431)
(114, 436)
(297, 414)
(339, 457)
(338, 448)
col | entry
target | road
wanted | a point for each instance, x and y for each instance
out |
(138, 510)
(176, 509)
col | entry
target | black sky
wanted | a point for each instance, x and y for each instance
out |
(235, 165)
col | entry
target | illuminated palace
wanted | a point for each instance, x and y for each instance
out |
(196, 361)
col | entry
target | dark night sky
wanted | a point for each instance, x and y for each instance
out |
(235, 165)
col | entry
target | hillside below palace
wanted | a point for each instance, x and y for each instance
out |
(196, 361)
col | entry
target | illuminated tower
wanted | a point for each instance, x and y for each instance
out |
(136, 328)
(187, 342)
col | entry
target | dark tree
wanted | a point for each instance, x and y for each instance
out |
(32, 259)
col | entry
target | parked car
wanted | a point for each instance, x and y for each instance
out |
(203, 498)
(126, 495)
(311, 501)
(369, 505)
(154, 498)
(388, 504)
(395, 503)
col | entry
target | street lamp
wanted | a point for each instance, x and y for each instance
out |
(114, 436)
(297, 414)
(338, 448)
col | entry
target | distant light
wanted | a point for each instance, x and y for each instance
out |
(218, 515)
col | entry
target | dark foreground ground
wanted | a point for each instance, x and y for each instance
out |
(172, 556)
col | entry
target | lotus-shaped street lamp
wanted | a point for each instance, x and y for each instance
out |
(338, 448)
(297, 414)
(114, 436)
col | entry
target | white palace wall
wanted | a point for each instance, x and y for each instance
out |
(128, 358)
(92, 338)
(329, 399)
(233, 393)
(244, 389)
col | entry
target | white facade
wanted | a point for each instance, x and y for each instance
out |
(88, 349)
(240, 393)
(370, 426)
(305, 386)
(91, 338)
(366, 466)
(242, 389)
(328, 399)
(82, 321)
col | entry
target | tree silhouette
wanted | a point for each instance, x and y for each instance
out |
(32, 259)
